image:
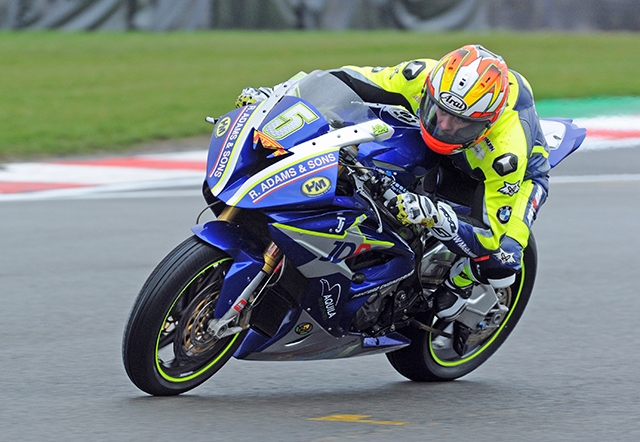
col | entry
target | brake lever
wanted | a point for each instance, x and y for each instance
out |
(362, 191)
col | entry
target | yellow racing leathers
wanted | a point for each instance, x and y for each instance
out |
(510, 166)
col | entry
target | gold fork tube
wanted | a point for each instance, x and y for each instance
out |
(271, 258)
(229, 213)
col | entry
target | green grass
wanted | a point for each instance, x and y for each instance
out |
(77, 93)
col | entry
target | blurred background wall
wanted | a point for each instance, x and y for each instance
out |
(432, 15)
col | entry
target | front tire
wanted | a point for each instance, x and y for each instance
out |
(420, 361)
(166, 349)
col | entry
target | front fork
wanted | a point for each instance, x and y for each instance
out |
(228, 324)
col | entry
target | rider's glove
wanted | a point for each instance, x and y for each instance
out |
(415, 209)
(440, 219)
(251, 95)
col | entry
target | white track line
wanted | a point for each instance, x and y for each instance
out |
(585, 179)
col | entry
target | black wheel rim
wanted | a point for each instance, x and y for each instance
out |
(184, 349)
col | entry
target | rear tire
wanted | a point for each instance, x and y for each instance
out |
(421, 362)
(166, 349)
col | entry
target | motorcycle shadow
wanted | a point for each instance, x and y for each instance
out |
(310, 390)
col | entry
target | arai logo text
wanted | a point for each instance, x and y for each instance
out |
(453, 102)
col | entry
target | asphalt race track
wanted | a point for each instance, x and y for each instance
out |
(71, 268)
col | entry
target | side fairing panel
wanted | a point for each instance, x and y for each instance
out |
(311, 178)
(322, 244)
(319, 244)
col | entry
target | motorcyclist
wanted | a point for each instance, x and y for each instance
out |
(482, 117)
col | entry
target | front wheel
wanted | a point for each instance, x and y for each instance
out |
(166, 348)
(422, 361)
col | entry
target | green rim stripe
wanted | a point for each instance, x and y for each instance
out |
(488, 343)
(198, 373)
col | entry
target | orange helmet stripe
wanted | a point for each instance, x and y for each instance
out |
(451, 64)
(490, 81)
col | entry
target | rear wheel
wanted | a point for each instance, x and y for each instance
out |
(423, 361)
(166, 348)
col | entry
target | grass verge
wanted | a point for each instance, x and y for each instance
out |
(80, 93)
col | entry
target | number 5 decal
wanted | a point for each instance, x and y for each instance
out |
(289, 121)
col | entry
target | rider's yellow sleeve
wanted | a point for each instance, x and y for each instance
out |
(504, 159)
(380, 84)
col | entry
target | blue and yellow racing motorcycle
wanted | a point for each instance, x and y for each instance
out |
(304, 261)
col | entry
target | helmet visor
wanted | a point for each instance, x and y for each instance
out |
(447, 127)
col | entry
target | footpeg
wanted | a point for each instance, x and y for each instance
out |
(442, 342)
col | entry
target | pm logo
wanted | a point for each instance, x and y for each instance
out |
(316, 186)
(452, 102)
(223, 126)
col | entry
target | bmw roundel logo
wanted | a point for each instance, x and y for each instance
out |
(504, 214)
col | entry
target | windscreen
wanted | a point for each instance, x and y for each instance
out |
(336, 101)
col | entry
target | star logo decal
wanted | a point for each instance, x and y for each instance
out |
(504, 257)
(510, 188)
